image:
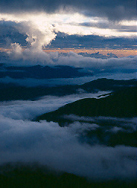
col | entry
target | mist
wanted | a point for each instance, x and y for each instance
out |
(23, 140)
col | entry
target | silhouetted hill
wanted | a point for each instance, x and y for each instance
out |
(16, 92)
(21, 176)
(105, 135)
(119, 104)
(108, 84)
(41, 72)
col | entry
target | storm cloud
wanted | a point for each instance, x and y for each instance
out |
(114, 10)
(10, 34)
(92, 41)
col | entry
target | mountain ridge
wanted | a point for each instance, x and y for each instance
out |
(12, 91)
(117, 104)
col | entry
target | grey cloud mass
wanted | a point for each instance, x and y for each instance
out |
(92, 41)
(112, 67)
(71, 59)
(116, 10)
(10, 34)
(22, 140)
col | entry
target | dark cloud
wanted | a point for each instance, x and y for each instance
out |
(92, 41)
(116, 10)
(110, 25)
(98, 55)
(10, 34)
(42, 72)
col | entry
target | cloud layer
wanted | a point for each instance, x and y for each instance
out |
(116, 68)
(71, 59)
(22, 140)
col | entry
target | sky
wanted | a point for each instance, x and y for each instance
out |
(99, 37)
(92, 26)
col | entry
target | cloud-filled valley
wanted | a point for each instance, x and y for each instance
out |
(23, 140)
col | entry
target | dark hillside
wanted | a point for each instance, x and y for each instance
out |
(16, 92)
(119, 104)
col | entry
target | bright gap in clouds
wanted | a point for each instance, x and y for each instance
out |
(70, 24)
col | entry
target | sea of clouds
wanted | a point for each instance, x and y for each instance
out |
(24, 140)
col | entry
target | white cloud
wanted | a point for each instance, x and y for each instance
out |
(37, 37)
(40, 30)
(30, 109)
(56, 147)
(70, 24)
(128, 22)
(76, 60)
(38, 56)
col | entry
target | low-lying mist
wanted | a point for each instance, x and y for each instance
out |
(23, 140)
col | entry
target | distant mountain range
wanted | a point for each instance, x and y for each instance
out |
(16, 92)
(41, 72)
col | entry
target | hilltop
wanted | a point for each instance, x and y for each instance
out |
(118, 104)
